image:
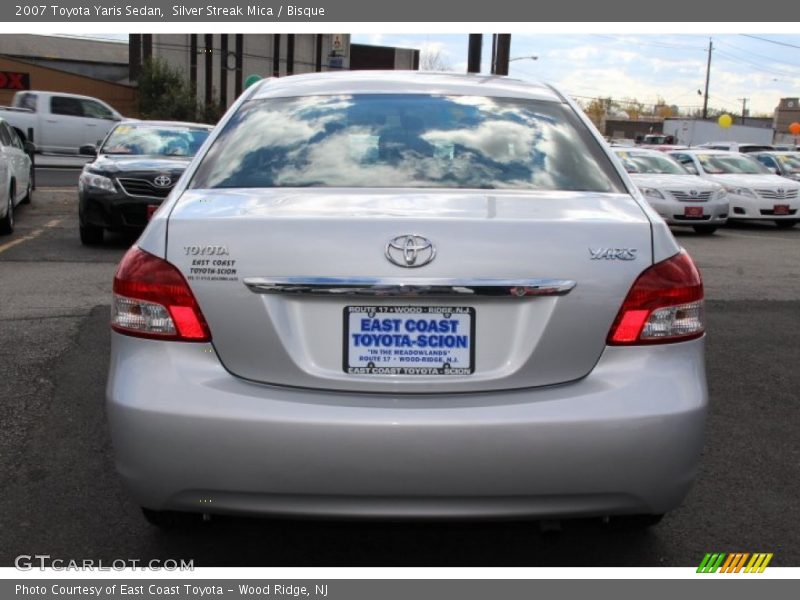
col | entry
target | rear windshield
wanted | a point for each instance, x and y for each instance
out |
(719, 164)
(406, 140)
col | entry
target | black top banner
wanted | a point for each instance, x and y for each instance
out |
(441, 11)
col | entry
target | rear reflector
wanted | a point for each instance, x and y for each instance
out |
(664, 305)
(153, 300)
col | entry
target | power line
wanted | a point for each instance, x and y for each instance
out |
(756, 54)
(754, 65)
(755, 37)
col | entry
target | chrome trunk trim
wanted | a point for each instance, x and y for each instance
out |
(408, 287)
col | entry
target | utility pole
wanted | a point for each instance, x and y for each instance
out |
(708, 77)
(744, 108)
(474, 53)
(501, 52)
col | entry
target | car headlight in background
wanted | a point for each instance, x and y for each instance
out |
(740, 191)
(95, 181)
(652, 193)
(719, 194)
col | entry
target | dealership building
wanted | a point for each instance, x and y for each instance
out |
(56, 63)
(218, 65)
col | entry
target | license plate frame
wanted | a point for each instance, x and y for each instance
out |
(408, 358)
(693, 212)
(780, 209)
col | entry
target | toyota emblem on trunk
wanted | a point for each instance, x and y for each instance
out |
(163, 181)
(410, 251)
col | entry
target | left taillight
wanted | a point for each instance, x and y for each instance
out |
(153, 300)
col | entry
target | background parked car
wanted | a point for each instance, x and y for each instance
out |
(786, 164)
(16, 175)
(754, 192)
(744, 148)
(678, 196)
(57, 122)
(135, 168)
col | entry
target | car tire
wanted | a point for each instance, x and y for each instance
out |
(785, 223)
(7, 222)
(29, 190)
(169, 520)
(634, 522)
(91, 235)
(705, 229)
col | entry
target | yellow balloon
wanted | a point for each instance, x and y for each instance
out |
(725, 121)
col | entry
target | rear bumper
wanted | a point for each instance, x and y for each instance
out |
(190, 436)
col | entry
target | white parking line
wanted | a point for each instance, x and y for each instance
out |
(33, 234)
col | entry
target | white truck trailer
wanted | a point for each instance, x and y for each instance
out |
(693, 132)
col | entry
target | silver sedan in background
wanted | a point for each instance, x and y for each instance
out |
(387, 294)
(785, 164)
(678, 196)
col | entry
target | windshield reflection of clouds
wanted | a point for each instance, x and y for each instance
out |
(651, 165)
(398, 140)
(731, 165)
(152, 141)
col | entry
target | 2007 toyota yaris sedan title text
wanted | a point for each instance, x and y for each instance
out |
(407, 295)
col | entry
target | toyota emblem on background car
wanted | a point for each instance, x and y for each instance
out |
(410, 251)
(163, 181)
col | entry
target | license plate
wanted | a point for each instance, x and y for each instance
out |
(780, 209)
(694, 212)
(151, 209)
(409, 340)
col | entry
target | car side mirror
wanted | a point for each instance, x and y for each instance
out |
(29, 147)
(88, 150)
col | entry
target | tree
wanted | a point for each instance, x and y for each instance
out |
(633, 108)
(597, 109)
(165, 94)
(433, 60)
(662, 110)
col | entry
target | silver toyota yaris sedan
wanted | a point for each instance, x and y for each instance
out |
(384, 294)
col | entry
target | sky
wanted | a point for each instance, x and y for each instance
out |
(644, 67)
(760, 67)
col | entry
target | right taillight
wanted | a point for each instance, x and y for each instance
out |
(665, 304)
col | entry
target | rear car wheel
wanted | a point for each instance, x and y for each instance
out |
(785, 224)
(91, 235)
(168, 519)
(7, 222)
(705, 229)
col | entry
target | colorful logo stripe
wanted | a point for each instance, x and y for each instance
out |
(734, 562)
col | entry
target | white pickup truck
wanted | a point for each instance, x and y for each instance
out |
(57, 122)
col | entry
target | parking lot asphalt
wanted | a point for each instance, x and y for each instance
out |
(61, 495)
